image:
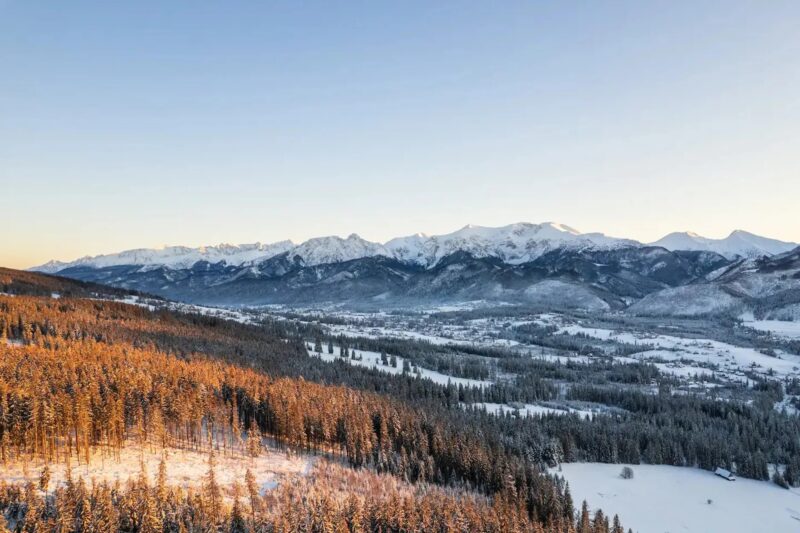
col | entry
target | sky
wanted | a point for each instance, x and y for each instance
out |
(140, 124)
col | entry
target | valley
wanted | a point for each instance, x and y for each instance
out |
(399, 267)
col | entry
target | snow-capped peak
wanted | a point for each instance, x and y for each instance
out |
(514, 244)
(176, 257)
(332, 249)
(739, 243)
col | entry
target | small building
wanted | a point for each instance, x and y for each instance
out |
(721, 472)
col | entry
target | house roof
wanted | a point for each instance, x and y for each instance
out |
(723, 472)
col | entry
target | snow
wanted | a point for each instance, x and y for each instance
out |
(373, 360)
(731, 360)
(738, 244)
(670, 499)
(176, 257)
(325, 250)
(185, 467)
(529, 409)
(780, 328)
(683, 371)
(243, 317)
(787, 405)
(515, 244)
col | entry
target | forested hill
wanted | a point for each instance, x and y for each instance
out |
(33, 284)
(79, 374)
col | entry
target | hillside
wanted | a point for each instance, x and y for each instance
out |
(79, 376)
(33, 284)
(593, 278)
(766, 287)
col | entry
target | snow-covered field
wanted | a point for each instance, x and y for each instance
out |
(373, 360)
(672, 499)
(185, 468)
(781, 328)
(683, 357)
(732, 361)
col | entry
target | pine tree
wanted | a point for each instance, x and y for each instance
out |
(161, 482)
(254, 438)
(253, 495)
(238, 524)
(600, 523)
(83, 514)
(569, 506)
(585, 524)
(147, 510)
(212, 492)
(44, 478)
(617, 527)
(30, 520)
(104, 512)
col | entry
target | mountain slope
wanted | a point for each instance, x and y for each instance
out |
(738, 244)
(588, 278)
(174, 256)
(514, 244)
(769, 287)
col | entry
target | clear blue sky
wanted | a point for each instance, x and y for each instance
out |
(138, 124)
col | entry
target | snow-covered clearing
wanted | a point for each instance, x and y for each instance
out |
(218, 312)
(669, 499)
(780, 328)
(393, 332)
(529, 409)
(185, 468)
(373, 360)
(788, 405)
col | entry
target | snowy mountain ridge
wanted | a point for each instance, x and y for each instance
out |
(739, 243)
(176, 257)
(513, 244)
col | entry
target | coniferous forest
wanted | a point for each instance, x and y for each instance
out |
(79, 373)
(83, 374)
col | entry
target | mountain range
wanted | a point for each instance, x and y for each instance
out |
(513, 244)
(546, 264)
